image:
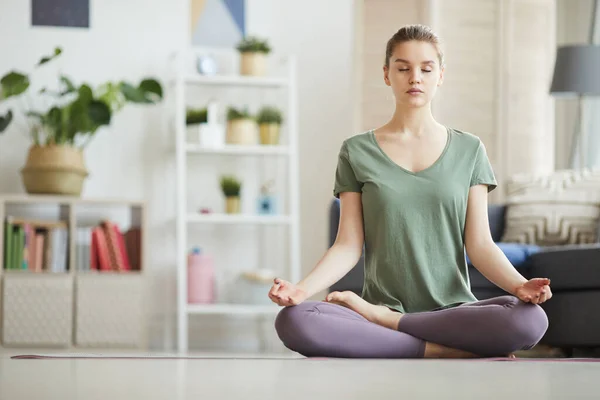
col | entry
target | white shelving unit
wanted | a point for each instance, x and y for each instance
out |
(286, 83)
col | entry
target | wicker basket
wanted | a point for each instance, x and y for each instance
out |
(54, 169)
(253, 64)
(242, 132)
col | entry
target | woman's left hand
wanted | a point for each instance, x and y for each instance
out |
(536, 291)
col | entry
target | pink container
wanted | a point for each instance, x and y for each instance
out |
(201, 278)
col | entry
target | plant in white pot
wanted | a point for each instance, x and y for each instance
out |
(253, 56)
(241, 127)
(60, 132)
(269, 121)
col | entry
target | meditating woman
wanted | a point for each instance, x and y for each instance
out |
(414, 193)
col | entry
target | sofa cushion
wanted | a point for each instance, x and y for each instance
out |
(574, 267)
(555, 209)
(518, 254)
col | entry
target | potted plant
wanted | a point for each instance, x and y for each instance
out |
(231, 188)
(196, 120)
(253, 55)
(59, 133)
(269, 121)
(241, 127)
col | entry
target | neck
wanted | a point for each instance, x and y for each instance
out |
(413, 121)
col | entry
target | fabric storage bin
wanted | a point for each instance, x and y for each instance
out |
(109, 310)
(37, 309)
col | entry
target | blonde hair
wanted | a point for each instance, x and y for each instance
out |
(421, 33)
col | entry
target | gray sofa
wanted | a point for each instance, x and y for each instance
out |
(574, 322)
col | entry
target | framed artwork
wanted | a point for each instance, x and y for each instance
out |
(218, 23)
(63, 13)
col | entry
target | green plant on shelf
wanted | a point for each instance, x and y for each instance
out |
(74, 111)
(235, 114)
(231, 186)
(269, 115)
(196, 116)
(253, 44)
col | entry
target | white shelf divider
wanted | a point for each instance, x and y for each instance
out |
(239, 149)
(287, 85)
(235, 80)
(230, 309)
(215, 218)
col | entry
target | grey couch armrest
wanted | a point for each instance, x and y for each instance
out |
(573, 267)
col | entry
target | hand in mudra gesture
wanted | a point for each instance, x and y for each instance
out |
(536, 291)
(285, 293)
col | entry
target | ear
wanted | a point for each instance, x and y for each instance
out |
(441, 80)
(386, 77)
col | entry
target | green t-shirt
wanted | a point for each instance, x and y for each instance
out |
(414, 222)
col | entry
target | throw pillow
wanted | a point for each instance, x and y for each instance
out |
(560, 208)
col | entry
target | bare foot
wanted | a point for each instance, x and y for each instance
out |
(380, 315)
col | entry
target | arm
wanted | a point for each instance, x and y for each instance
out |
(483, 252)
(343, 255)
(337, 261)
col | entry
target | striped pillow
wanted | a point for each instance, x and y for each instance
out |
(556, 209)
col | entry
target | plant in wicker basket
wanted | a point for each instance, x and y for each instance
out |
(61, 130)
(241, 127)
(253, 55)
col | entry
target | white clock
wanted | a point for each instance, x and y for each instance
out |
(206, 65)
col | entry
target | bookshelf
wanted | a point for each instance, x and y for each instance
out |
(56, 298)
(248, 239)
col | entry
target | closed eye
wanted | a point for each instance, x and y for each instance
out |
(406, 69)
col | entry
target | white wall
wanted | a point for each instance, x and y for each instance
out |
(573, 27)
(132, 39)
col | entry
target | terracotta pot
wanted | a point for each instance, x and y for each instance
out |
(242, 131)
(253, 64)
(232, 205)
(54, 169)
(269, 133)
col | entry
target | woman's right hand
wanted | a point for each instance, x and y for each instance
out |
(285, 293)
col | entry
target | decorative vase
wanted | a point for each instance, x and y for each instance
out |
(253, 63)
(54, 169)
(269, 133)
(232, 205)
(242, 131)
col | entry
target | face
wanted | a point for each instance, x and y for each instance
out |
(414, 73)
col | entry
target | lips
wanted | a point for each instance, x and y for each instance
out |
(415, 91)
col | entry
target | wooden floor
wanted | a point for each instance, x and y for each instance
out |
(290, 377)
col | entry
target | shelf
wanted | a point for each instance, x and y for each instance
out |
(215, 218)
(239, 149)
(71, 200)
(236, 80)
(228, 309)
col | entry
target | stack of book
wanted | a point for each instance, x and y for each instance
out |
(43, 246)
(35, 245)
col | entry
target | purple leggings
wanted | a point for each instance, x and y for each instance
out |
(488, 328)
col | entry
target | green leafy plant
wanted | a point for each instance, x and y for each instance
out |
(234, 113)
(269, 115)
(196, 116)
(76, 111)
(230, 186)
(253, 44)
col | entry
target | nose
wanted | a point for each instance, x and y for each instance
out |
(415, 77)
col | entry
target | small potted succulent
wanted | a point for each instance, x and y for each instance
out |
(269, 121)
(241, 127)
(231, 188)
(253, 56)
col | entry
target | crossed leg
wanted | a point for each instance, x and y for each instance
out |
(354, 328)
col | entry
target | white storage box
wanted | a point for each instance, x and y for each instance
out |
(109, 310)
(37, 309)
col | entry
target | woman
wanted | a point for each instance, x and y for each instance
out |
(414, 192)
